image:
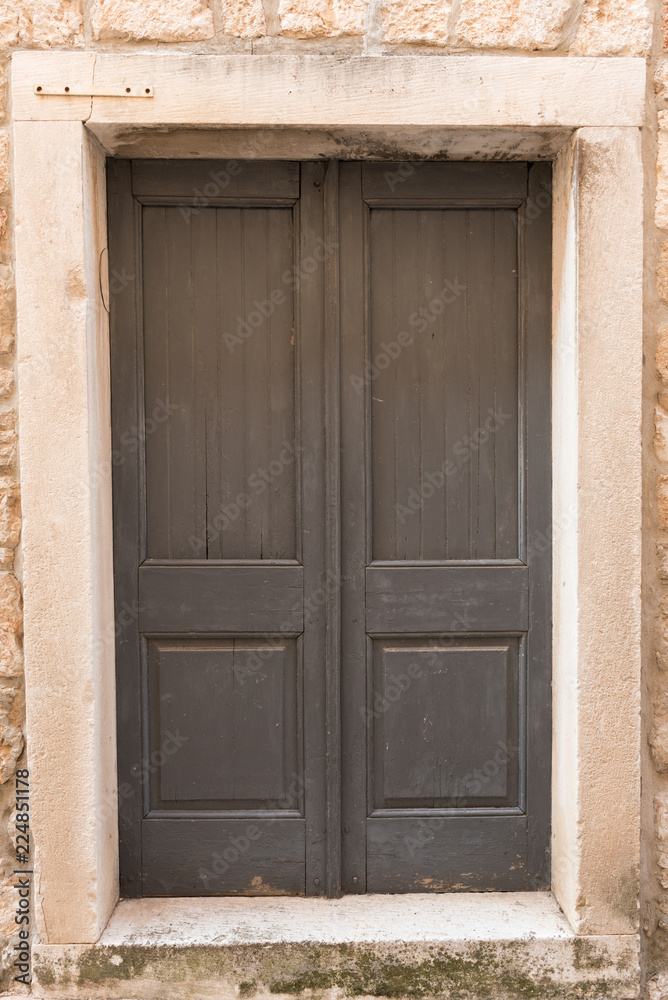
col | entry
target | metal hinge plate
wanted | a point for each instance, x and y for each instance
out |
(73, 90)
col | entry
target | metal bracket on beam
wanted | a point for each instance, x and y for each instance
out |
(123, 90)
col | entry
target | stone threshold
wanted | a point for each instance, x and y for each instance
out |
(504, 946)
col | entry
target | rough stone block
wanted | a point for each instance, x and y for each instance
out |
(518, 24)
(658, 735)
(662, 273)
(8, 438)
(416, 21)
(662, 559)
(4, 160)
(661, 80)
(322, 18)
(662, 499)
(614, 28)
(11, 736)
(661, 830)
(152, 20)
(6, 318)
(6, 559)
(657, 987)
(661, 212)
(244, 18)
(6, 336)
(41, 23)
(661, 356)
(6, 382)
(661, 434)
(10, 512)
(11, 626)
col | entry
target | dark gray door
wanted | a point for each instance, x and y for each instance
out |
(445, 299)
(330, 391)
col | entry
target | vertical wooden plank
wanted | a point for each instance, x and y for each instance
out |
(535, 257)
(333, 523)
(256, 378)
(231, 517)
(124, 240)
(457, 400)
(433, 295)
(180, 347)
(157, 380)
(355, 462)
(205, 349)
(280, 236)
(408, 380)
(311, 337)
(482, 335)
(214, 432)
(378, 381)
(505, 405)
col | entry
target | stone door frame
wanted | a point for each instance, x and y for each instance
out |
(585, 114)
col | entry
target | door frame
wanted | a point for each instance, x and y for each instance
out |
(586, 115)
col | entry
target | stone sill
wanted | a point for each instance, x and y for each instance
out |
(504, 946)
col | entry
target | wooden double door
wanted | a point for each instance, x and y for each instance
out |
(331, 471)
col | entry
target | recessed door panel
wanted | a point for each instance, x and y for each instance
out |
(444, 359)
(445, 724)
(219, 383)
(225, 722)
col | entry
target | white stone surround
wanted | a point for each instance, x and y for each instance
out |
(591, 110)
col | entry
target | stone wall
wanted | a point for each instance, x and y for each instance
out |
(537, 28)
(655, 813)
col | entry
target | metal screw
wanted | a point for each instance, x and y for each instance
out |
(317, 881)
(355, 878)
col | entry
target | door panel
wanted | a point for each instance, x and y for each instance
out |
(217, 359)
(234, 705)
(331, 430)
(220, 472)
(427, 702)
(444, 480)
(446, 623)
